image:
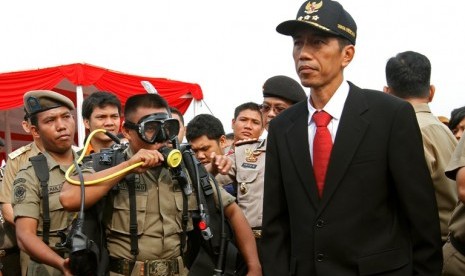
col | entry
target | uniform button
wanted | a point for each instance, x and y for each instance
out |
(320, 223)
(320, 257)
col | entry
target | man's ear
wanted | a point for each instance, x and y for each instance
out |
(34, 131)
(86, 123)
(232, 123)
(386, 90)
(26, 126)
(125, 131)
(222, 141)
(348, 55)
(432, 89)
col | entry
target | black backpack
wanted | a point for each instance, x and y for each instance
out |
(210, 245)
(86, 240)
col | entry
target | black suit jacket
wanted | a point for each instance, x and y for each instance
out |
(378, 213)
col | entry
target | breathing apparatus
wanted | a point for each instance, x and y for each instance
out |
(153, 128)
(85, 254)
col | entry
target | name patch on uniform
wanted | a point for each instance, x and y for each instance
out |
(249, 166)
(19, 181)
(55, 189)
(140, 187)
(19, 193)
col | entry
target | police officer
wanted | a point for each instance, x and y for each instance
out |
(158, 198)
(454, 248)
(279, 93)
(15, 160)
(51, 120)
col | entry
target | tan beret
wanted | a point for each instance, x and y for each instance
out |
(41, 100)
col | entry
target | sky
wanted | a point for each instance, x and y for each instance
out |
(228, 47)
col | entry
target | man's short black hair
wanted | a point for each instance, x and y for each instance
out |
(144, 100)
(174, 110)
(456, 116)
(247, 106)
(99, 99)
(204, 124)
(408, 75)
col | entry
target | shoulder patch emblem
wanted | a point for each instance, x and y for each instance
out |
(19, 181)
(19, 193)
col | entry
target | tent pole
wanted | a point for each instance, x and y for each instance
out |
(80, 123)
(197, 105)
(8, 145)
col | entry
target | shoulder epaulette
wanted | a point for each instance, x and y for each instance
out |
(19, 151)
(247, 141)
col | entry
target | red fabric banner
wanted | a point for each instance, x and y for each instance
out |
(13, 85)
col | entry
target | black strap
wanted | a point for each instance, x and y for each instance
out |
(459, 246)
(39, 162)
(184, 222)
(230, 265)
(130, 181)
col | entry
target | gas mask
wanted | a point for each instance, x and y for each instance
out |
(155, 128)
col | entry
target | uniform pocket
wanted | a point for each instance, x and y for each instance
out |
(191, 206)
(58, 215)
(383, 261)
(120, 221)
(245, 179)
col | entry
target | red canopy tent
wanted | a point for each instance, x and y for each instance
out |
(76, 81)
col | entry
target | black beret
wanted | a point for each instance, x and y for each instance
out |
(285, 88)
(41, 100)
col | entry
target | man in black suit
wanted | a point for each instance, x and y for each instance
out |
(372, 210)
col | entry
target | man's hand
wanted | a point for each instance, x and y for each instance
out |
(150, 158)
(65, 268)
(218, 164)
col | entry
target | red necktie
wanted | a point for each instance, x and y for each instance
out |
(322, 144)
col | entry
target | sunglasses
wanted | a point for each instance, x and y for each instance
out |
(265, 108)
(155, 128)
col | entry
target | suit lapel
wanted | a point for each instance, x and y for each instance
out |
(297, 143)
(349, 135)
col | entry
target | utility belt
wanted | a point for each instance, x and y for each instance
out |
(458, 245)
(257, 232)
(161, 267)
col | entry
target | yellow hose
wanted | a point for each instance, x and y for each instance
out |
(95, 181)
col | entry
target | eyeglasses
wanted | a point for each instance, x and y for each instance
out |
(265, 108)
(155, 128)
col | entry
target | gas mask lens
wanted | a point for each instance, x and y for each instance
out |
(155, 128)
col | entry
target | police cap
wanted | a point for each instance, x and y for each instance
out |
(324, 15)
(285, 88)
(37, 101)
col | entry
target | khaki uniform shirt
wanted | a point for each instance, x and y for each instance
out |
(27, 197)
(159, 210)
(457, 220)
(248, 172)
(15, 161)
(438, 143)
